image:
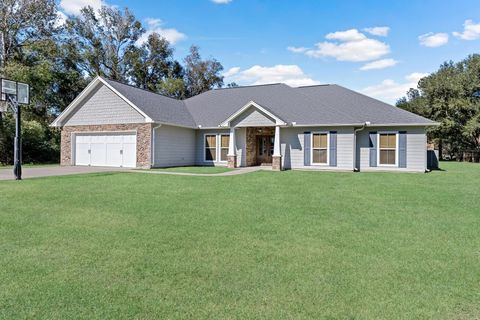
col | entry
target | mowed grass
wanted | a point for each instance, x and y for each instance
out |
(195, 169)
(270, 245)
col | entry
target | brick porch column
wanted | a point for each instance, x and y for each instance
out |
(277, 154)
(232, 156)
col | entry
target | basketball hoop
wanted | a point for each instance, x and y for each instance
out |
(16, 90)
(13, 94)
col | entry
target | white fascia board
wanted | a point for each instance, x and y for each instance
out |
(404, 124)
(369, 125)
(174, 125)
(278, 121)
(329, 125)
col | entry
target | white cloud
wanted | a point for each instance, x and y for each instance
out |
(349, 45)
(378, 31)
(231, 72)
(415, 77)
(291, 75)
(221, 1)
(297, 49)
(348, 35)
(390, 91)
(379, 64)
(74, 6)
(433, 39)
(471, 31)
(155, 25)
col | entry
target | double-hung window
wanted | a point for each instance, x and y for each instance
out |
(320, 148)
(210, 147)
(224, 141)
(216, 147)
(387, 149)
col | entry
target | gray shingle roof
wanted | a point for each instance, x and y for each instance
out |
(159, 108)
(211, 108)
(322, 105)
(361, 107)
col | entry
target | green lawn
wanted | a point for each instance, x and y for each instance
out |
(268, 245)
(195, 169)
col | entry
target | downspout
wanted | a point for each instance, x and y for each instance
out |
(355, 168)
(152, 147)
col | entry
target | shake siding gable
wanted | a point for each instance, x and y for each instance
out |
(252, 117)
(103, 106)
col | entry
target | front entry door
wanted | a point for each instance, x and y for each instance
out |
(264, 150)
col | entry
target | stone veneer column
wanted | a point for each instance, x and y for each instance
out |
(277, 155)
(144, 140)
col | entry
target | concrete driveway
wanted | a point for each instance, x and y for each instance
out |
(47, 171)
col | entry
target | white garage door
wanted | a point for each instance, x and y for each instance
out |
(110, 150)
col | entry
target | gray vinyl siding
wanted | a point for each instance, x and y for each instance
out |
(200, 147)
(292, 140)
(252, 117)
(173, 146)
(416, 149)
(103, 106)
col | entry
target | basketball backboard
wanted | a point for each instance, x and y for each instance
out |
(18, 89)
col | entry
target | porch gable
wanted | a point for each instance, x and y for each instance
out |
(252, 115)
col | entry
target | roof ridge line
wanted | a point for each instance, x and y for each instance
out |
(135, 87)
(317, 85)
(253, 85)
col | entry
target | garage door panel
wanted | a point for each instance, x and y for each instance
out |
(116, 150)
(114, 154)
(129, 155)
(83, 139)
(114, 139)
(130, 138)
(97, 154)
(82, 154)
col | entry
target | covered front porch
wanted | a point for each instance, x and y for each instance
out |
(262, 136)
(262, 147)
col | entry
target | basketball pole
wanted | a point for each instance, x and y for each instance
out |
(17, 155)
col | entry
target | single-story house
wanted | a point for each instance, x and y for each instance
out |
(325, 127)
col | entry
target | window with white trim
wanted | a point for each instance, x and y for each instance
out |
(210, 147)
(319, 148)
(224, 142)
(387, 149)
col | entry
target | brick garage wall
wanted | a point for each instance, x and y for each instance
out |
(144, 140)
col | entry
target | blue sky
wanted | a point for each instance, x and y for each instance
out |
(380, 48)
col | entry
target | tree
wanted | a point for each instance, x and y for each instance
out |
(450, 96)
(201, 75)
(28, 42)
(23, 22)
(104, 39)
(153, 67)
